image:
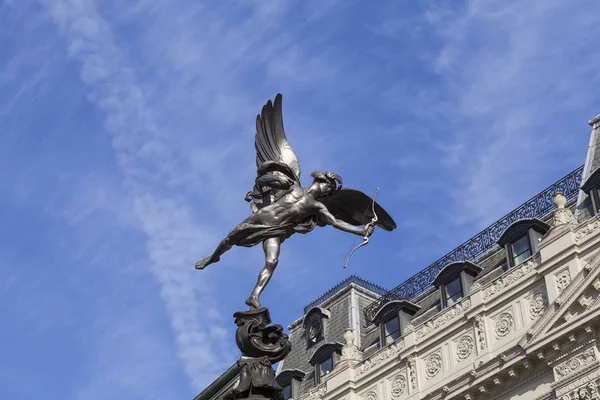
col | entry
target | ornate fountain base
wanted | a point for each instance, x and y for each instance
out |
(261, 346)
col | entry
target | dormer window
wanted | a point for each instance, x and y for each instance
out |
(324, 359)
(454, 281)
(521, 250)
(453, 291)
(392, 319)
(324, 368)
(520, 239)
(391, 330)
(289, 380)
(314, 325)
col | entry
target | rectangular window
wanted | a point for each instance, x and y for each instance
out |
(453, 292)
(287, 392)
(521, 250)
(391, 331)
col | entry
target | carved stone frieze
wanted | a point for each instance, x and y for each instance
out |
(563, 279)
(433, 365)
(576, 363)
(464, 347)
(443, 318)
(379, 357)
(587, 230)
(504, 324)
(590, 391)
(509, 278)
(480, 331)
(398, 385)
(537, 305)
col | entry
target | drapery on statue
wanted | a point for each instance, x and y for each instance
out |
(281, 206)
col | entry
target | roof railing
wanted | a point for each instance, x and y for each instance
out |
(536, 207)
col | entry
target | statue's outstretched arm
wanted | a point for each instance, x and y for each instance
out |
(328, 218)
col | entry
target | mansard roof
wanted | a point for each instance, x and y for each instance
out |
(481, 247)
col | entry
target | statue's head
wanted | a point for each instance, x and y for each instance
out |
(326, 182)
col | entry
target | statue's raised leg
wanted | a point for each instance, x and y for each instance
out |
(224, 246)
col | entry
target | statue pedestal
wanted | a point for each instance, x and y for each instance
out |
(261, 346)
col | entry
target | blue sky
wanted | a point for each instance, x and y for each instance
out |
(126, 149)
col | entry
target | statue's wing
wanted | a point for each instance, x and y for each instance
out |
(354, 207)
(270, 141)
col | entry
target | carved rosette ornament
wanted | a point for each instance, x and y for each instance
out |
(504, 324)
(464, 347)
(398, 385)
(261, 345)
(537, 305)
(433, 365)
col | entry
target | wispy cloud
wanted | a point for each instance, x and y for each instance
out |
(131, 127)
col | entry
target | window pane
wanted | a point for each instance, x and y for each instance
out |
(392, 337)
(287, 392)
(521, 250)
(391, 326)
(326, 366)
(453, 292)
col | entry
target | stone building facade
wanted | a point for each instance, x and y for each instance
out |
(513, 313)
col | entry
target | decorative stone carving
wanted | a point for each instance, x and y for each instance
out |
(261, 346)
(480, 331)
(412, 369)
(371, 395)
(464, 347)
(443, 318)
(350, 352)
(315, 393)
(586, 230)
(433, 365)
(563, 279)
(574, 364)
(562, 215)
(379, 357)
(504, 324)
(398, 385)
(476, 287)
(586, 392)
(509, 278)
(537, 305)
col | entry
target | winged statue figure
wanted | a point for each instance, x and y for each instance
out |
(281, 206)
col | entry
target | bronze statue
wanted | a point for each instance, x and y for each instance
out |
(281, 206)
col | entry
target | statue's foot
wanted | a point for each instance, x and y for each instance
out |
(206, 261)
(252, 301)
